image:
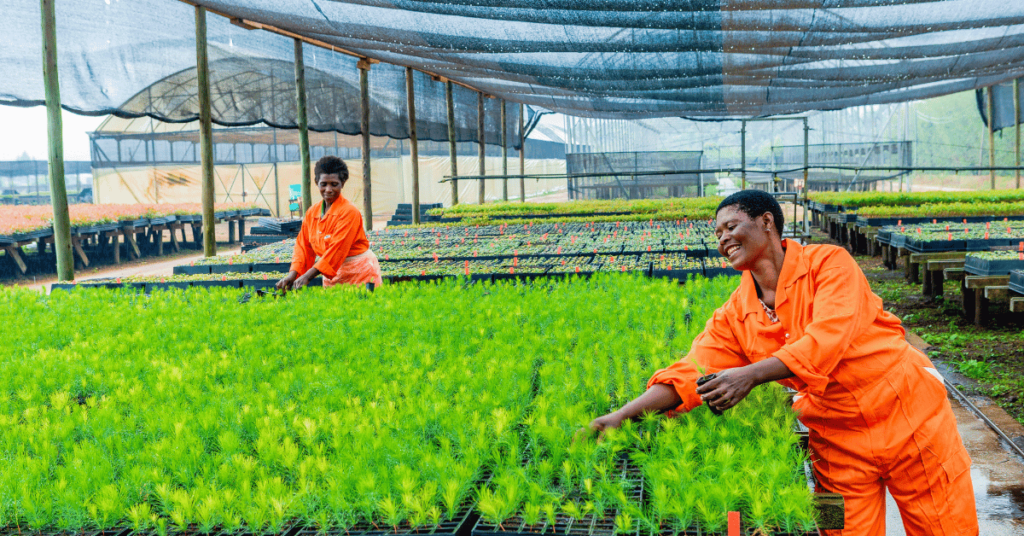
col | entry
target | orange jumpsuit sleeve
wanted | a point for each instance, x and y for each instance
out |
(344, 230)
(303, 255)
(841, 313)
(716, 348)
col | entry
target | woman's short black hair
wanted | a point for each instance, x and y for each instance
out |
(329, 165)
(755, 203)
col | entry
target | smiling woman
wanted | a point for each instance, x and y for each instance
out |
(333, 232)
(876, 407)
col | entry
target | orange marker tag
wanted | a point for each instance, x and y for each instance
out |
(734, 524)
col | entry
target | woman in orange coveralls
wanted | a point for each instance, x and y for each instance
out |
(875, 406)
(333, 231)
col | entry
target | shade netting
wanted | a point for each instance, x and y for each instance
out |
(597, 58)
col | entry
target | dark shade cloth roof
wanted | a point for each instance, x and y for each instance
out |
(593, 58)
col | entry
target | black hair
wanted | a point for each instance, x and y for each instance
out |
(755, 203)
(330, 165)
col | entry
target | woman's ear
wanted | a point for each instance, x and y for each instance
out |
(769, 221)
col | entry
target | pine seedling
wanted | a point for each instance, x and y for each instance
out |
(623, 523)
(392, 512)
(450, 496)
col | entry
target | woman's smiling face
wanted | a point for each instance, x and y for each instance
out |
(742, 239)
(330, 187)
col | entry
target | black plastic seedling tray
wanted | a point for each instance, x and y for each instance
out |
(594, 524)
(259, 284)
(271, 266)
(981, 244)
(230, 268)
(141, 222)
(192, 270)
(230, 283)
(878, 222)
(679, 275)
(989, 267)
(168, 285)
(459, 525)
(934, 246)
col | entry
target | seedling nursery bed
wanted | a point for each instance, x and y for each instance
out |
(372, 410)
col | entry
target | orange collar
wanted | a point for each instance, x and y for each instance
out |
(335, 207)
(794, 266)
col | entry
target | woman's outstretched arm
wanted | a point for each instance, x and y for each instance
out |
(659, 397)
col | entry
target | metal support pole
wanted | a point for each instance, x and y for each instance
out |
(302, 120)
(991, 136)
(413, 146)
(452, 152)
(807, 134)
(743, 154)
(364, 126)
(205, 133)
(483, 143)
(504, 154)
(1016, 128)
(55, 133)
(522, 154)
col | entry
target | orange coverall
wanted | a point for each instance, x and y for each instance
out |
(875, 406)
(336, 237)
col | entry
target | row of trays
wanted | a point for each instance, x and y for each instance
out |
(527, 274)
(142, 222)
(284, 266)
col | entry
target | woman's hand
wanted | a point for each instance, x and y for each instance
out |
(733, 385)
(606, 422)
(301, 281)
(304, 279)
(727, 389)
(285, 284)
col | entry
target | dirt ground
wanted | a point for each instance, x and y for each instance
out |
(993, 355)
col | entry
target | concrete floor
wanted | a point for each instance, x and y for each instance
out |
(998, 477)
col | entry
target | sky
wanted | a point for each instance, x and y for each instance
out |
(23, 130)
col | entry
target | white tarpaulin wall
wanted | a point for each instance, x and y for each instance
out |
(392, 182)
(599, 58)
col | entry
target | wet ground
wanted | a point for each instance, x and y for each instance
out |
(998, 477)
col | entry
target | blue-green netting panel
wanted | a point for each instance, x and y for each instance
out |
(593, 58)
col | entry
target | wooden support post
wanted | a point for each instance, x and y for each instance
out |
(410, 94)
(15, 254)
(364, 126)
(231, 230)
(205, 134)
(174, 237)
(968, 300)
(55, 135)
(158, 233)
(1016, 129)
(938, 279)
(980, 307)
(991, 136)
(452, 152)
(504, 153)
(115, 243)
(302, 120)
(522, 154)
(481, 136)
(241, 228)
(129, 236)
